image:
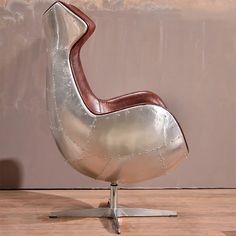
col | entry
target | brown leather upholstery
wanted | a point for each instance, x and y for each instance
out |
(94, 104)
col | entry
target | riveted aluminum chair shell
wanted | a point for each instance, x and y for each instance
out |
(122, 140)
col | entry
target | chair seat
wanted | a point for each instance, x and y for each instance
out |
(130, 100)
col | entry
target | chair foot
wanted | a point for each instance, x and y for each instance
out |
(116, 221)
(84, 213)
(114, 214)
(113, 211)
(144, 212)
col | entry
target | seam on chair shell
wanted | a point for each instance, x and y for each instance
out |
(104, 168)
(60, 128)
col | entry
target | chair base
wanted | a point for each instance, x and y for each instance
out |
(113, 212)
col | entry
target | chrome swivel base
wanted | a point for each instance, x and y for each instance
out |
(113, 211)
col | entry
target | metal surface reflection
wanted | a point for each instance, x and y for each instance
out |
(129, 145)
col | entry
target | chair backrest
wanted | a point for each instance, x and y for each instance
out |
(66, 26)
(67, 110)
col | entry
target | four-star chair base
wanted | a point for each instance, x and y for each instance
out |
(113, 211)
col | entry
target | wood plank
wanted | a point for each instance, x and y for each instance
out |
(200, 212)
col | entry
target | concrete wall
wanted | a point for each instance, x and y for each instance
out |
(185, 51)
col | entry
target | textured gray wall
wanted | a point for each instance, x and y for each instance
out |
(185, 51)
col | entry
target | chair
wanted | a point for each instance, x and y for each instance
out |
(125, 139)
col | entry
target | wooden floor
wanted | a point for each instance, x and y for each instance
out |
(200, 212)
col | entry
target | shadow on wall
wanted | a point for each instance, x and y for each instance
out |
(10, 174)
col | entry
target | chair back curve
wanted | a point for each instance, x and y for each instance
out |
(130, 138)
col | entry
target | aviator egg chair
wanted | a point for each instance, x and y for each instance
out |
(125, 139)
